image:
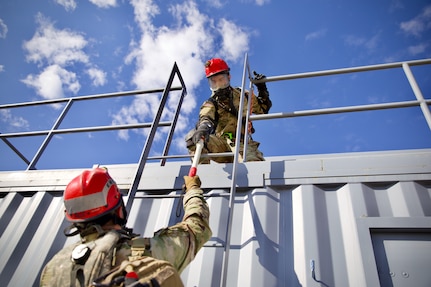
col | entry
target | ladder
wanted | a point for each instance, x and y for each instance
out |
(31, 164)
(49, 134)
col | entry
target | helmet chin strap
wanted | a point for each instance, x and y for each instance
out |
(120, 215)
(83, 229)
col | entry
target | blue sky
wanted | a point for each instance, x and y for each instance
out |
(64, 48)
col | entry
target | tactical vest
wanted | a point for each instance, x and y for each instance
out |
(91, 264)
(80, 263)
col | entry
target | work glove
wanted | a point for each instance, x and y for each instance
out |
(263, 95)
(202, 132)
(222, 94)
(192, 182)
(260, 86)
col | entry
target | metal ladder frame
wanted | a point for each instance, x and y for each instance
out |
(31, 164)
(420, 101)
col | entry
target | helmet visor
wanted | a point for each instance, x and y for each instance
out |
(219, 81)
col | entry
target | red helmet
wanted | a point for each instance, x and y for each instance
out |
(215, 66)
(91, 195)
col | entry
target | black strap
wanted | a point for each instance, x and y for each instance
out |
(77, 274)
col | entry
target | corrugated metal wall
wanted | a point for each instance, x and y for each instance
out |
(288, 212)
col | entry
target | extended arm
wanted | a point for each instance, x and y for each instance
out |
(263, 99)
(180, 243)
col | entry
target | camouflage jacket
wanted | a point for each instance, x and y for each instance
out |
(222, 112)
(177, 244)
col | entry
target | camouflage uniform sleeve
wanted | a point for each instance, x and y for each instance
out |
(208, 113)
(179, 243)
(262, 103)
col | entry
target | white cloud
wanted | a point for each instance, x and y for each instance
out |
(51, 83)
(104, 3)
(3, 29)
(369, 43)
(1, 68)
(262, 2)
(316, 34)
(56, 52)
(17, 122)
(69, 5)
(235, 40)
(61, 47)
(193, 39)
(419, 24)
(396, 5)
(144, 11)
(417, 49)
(216, 3)
(97, 76)
(352, 40)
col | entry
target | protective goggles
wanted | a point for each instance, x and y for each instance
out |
(219, 81)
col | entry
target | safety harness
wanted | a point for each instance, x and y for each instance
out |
(218, 101)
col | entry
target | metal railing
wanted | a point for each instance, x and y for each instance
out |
(420, 101)
(55, 130)
(153, 126)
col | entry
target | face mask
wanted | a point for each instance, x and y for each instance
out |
(219, 81)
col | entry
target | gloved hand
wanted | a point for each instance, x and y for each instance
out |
(192, 182)
(222, 94)
(202, 132)
(260, 86)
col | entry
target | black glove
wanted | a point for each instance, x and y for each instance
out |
(202, 132)
(260, 86)
(263, 96)
(222, 94)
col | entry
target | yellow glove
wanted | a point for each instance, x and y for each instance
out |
(192, 182)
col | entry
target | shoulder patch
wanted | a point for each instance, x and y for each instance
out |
(207, 104)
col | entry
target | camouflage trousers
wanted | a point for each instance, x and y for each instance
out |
(217, 144)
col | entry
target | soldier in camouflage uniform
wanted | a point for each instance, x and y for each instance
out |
(95, 207)
(218, 116)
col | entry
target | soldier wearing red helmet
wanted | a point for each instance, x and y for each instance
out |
(110, 254)
(218, 116)
(94, 196)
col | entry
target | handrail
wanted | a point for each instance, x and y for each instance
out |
(420, 101)
(148, 143)
(87, 97)
(343, 71)
(31, 164)
(233, 181)
(423, 103)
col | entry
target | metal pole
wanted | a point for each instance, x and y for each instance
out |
(418, 93)
(327, 111)
(50, 135)
(343, 71)
(249, 111)
(83, 130)
(233, 182)
(83, 98)
(175, 119)
(6, 141)
(172, 129)
(148, 142)
(196, 158)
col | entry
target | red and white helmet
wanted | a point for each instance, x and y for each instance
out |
(91, 195)
(215, 66)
